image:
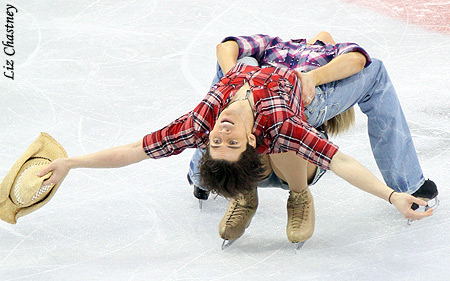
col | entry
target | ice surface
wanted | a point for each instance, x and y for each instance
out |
(97, 74)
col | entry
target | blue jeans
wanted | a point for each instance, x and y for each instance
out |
(389, 134)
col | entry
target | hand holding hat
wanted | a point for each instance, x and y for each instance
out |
(58, 170)
(22, 191)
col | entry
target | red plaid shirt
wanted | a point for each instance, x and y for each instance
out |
(280, 119)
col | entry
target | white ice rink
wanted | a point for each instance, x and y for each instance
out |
(98, 74)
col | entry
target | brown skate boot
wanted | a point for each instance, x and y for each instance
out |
(300, 210)
(238, 216)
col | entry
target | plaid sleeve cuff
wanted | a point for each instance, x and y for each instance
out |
(250, 46)
(344, 48)
(296, 135)
(172, 139)
(151, 148)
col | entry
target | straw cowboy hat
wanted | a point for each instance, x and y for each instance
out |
(21, 191)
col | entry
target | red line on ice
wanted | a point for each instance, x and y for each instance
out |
(430, 14)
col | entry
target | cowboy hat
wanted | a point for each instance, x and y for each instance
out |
(22, 191)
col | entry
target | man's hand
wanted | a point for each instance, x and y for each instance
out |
(403, 202)
(59, 169)
(340, 67)
(308, 87)
(110, 158)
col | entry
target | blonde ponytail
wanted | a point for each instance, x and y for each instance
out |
(341, 122)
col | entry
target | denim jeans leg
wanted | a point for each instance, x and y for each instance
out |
(194, 172)
(389, 134)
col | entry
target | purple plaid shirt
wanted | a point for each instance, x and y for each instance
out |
(294, 54)
(279, 121)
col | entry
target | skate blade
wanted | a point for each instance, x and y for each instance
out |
(200, 205)
(433, 203)
(298, 246)
(227, 243)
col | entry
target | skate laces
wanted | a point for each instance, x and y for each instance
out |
(241, 207)
(299, 207)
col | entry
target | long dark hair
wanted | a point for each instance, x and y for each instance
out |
(228, 178)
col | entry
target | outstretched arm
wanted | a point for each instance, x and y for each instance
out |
(109, 158)
(353, 172)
